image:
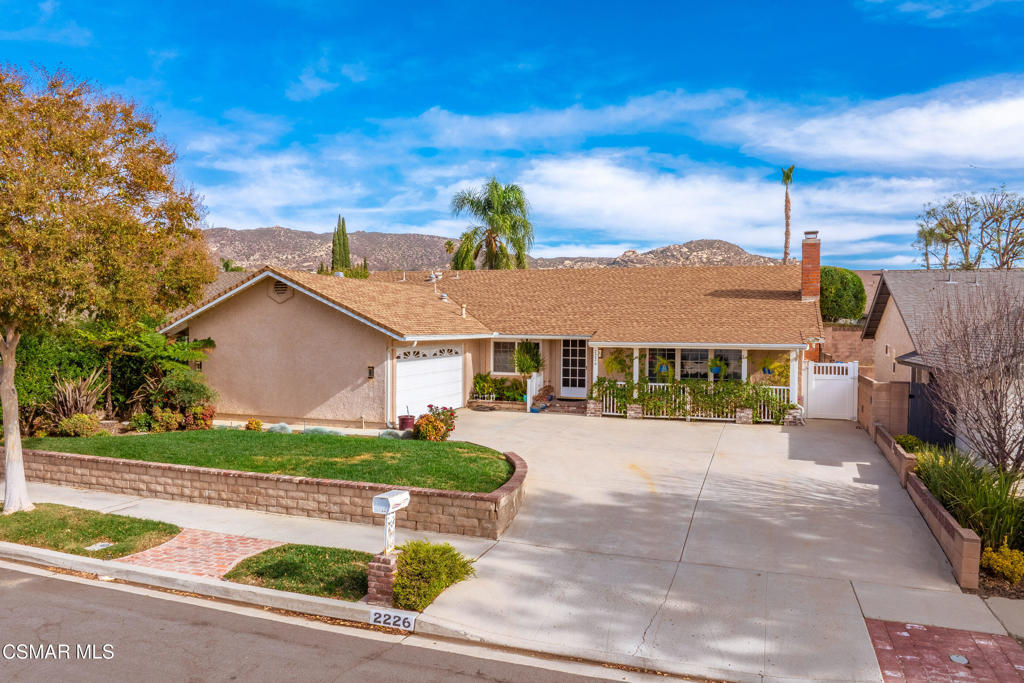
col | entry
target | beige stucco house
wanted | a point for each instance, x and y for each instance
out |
(298, 346)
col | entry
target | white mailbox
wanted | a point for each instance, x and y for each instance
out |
(388, 504)
(392, 501)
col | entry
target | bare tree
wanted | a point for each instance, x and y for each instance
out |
(976, 349)
(1003, 234)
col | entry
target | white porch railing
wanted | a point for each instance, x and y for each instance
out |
(671, 407)
(534, 383)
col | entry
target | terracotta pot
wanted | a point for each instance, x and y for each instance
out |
(406, 421)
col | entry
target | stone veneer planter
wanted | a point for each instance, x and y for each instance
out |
(452, 512)
(510, 406)
(904, 463)
(962, 546)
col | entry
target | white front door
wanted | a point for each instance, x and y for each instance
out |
(429, 375)
(574, 368)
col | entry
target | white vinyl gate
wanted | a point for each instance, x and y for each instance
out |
(830, 390)
(429, 375)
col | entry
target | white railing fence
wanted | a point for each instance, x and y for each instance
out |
(677, 402)
(534, 383)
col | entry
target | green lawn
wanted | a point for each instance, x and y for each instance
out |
(451, 465)
(72, 530)
(309, 569)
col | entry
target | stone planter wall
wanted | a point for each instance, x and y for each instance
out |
(744, 416)
(510, 406)
(904, 463)
(452, 512)
(594, 408)
(962, 546)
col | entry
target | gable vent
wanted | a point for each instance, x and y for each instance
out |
(280, 288)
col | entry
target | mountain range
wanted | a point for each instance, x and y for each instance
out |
(304, 250)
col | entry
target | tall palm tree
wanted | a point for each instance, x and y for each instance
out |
(787, 180)
(449, 247)
(504, 234)
(927, 236)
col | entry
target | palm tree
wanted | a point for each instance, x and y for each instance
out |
(927, 236)
(787, 180)
(229, 266)
(504, 234)
(449, 246)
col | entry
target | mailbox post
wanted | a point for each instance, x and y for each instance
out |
(388, 504)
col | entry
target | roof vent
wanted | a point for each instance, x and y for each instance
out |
(338, 273)
(444, 297)
(949, 278)
(463, 310)
(280, 288)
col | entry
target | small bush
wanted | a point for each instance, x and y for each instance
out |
(166, 420)
(199, 417)
(254, 425)
(424, 570)
(909, 442)
(429, 428)
(279, 428)
(79, 425)
(1005, 563)
(140, 422)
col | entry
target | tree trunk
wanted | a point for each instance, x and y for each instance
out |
(108, 407)
(15, 488)
(785, 250)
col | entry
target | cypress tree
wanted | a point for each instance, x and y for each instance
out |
(366, 266)
(336, 249)
(346, 255)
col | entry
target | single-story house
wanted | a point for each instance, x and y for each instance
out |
(322, 349)
(901, 321)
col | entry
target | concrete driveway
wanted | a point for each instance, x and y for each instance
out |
(707, 549)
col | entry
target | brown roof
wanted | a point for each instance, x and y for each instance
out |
(714, 304)
(403, 311)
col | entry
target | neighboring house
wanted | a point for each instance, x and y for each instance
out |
(900, 321)
(298, 346)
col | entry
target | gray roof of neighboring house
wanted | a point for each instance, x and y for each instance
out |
(916, 293)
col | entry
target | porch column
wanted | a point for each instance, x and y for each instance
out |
(794, 373)
(743, 365)
(708, 364)
(597, 352)
(636, 364)
(679, 363)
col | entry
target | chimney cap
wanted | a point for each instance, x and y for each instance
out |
(810, 234)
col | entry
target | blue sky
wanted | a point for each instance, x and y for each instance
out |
(631, 125)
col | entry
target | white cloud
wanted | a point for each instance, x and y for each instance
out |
(933, 9)
(586, 249)
(357, 73)
(975, 123)
(309, 86)
(46, 30)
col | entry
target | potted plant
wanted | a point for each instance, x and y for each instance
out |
(718, 367)
(527, 360)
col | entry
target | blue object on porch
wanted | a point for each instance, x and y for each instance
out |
(534, 410)
(715, 370)
(662, 368)
(551, 397)
(766, 371)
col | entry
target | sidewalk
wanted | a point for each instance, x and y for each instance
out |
(846, 621)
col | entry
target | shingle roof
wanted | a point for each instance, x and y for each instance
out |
(714, 304)
(403, 311)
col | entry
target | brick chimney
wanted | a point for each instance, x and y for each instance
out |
(810, 266)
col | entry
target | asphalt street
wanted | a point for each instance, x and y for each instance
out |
(113, 635)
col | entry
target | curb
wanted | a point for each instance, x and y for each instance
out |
(188, 583)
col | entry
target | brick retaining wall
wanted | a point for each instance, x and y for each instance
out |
(962, 546)
(904, 463)
(453, 512)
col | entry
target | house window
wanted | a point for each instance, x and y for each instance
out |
(693, 363)
(661, 365)
(503, 357)
(733, 363)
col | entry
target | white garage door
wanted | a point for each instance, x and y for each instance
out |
(429, 375)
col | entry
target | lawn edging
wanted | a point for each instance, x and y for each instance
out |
(904, 463)
(187, 583)
(440, 511)
(961, 546)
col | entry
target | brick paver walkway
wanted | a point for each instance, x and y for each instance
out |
(203, 553)
(909, 653)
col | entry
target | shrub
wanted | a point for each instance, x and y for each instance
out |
(979, 498)
(254, 425)
(76, 396)
(424, 570)
(166, 420)
(79, 424)
(199, 417)
(909, 442)
(1006, 562)
(842, 294)
(429, 428)
(140, 422)
(447, 418)
(279, 428)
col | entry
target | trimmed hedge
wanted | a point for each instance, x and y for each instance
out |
(424, 570)
(842, 294)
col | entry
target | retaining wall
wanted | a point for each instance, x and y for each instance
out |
(904, 463)
(962, 546)
(453, 512)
